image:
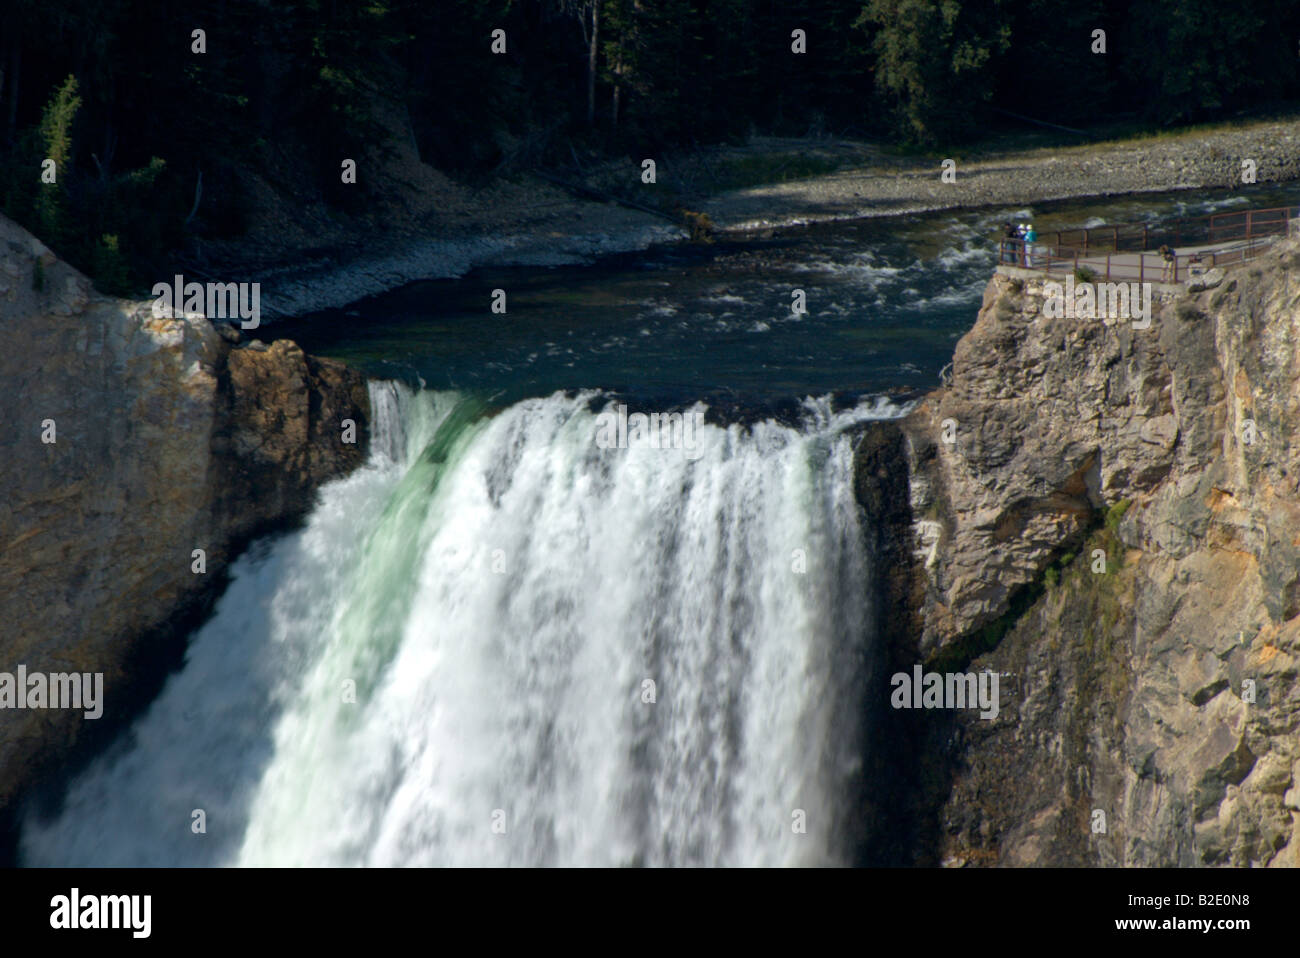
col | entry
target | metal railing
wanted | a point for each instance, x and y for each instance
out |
(1123, 251)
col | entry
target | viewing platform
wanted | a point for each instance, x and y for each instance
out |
(1129, 252)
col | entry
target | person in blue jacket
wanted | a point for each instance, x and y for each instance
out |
(1031, 237)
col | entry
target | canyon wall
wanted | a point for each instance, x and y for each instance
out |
(1109, 517)
(127, 442)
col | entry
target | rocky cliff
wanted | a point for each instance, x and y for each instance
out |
(1109, 517)
(127, 443)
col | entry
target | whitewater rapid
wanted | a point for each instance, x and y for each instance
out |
(500, 644)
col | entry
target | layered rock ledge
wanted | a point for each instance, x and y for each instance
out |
(167, 438)
(1109, 517)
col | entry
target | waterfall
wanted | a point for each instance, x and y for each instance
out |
(499, 643)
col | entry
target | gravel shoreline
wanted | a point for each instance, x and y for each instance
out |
(1157, 165)
(328, 284)
(520, 236)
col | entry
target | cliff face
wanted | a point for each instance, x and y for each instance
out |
(1114, 526)
(167, 438)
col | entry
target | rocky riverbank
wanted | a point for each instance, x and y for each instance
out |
(882, 186)
(1109, 518)
(440, 229)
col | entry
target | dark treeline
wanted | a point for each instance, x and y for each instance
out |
(114, 93)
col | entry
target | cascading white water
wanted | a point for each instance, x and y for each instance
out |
(451, 663)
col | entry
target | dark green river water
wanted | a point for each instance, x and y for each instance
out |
(886, 300)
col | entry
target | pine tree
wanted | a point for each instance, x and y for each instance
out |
(56, 139)
(933, 61)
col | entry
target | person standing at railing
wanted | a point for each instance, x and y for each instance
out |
(1031, 237)
(1010, 236)
(1170, 272)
